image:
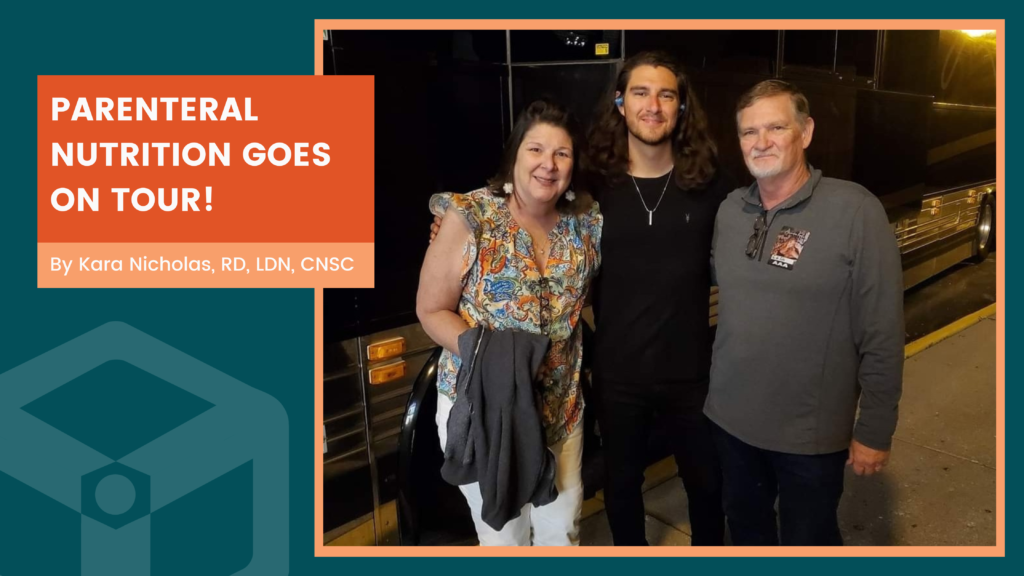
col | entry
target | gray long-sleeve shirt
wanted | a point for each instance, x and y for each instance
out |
(811, 325)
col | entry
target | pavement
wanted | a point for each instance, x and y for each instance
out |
(945, 297)
(939, 488)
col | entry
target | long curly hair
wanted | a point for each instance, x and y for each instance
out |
(694, 151)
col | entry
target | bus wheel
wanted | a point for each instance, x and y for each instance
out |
(985, 231)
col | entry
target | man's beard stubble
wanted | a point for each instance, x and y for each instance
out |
(649, 141)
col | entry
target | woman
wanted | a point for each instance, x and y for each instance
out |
(520, 254)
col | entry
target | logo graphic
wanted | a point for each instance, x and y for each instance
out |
(788, 247)
(117, 426)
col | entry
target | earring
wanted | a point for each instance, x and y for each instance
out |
(507, 187)
(570, 195)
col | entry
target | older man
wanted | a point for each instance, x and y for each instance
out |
(810, 327)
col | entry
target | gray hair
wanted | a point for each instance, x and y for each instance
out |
(769, 88)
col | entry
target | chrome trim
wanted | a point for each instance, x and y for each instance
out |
(780, 50)
(351, 452)
(954, 106)
(981, 184)
(921, 272)
(956, 211)
(835, 53)
(879, 51)
(393, 394)
(346, 414)
(365, 388)
(389, 414)
(351, 432)
(350, 370)
(508, 64)
(389, 433)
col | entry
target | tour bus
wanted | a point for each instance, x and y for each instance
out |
(910, 115)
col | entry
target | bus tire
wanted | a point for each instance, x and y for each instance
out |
(985, 230)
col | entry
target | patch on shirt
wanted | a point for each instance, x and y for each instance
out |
(788, 247)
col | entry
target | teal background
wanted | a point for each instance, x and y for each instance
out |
(265, 337)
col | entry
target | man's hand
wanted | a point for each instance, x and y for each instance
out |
(434, 228)
(866, 461)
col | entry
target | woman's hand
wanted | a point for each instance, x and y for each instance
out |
(435, 228)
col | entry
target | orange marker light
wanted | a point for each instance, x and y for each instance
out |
(388, 373)
(385, 349)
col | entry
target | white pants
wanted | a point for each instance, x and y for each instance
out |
(556, 524)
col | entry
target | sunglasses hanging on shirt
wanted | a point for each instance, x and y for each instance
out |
(757, 238)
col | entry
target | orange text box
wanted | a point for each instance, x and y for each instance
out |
(331, 203)
(210, 265)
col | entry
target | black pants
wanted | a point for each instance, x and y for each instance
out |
(808, 488)
(627, 414)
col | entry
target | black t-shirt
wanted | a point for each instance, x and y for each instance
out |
(651, 296)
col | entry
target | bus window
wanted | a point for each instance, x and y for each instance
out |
(965, 67)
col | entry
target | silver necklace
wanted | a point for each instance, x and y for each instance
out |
(650, 212)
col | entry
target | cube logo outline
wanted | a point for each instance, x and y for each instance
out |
(244, 424)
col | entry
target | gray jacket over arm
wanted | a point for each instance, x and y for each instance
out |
(495, 434)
